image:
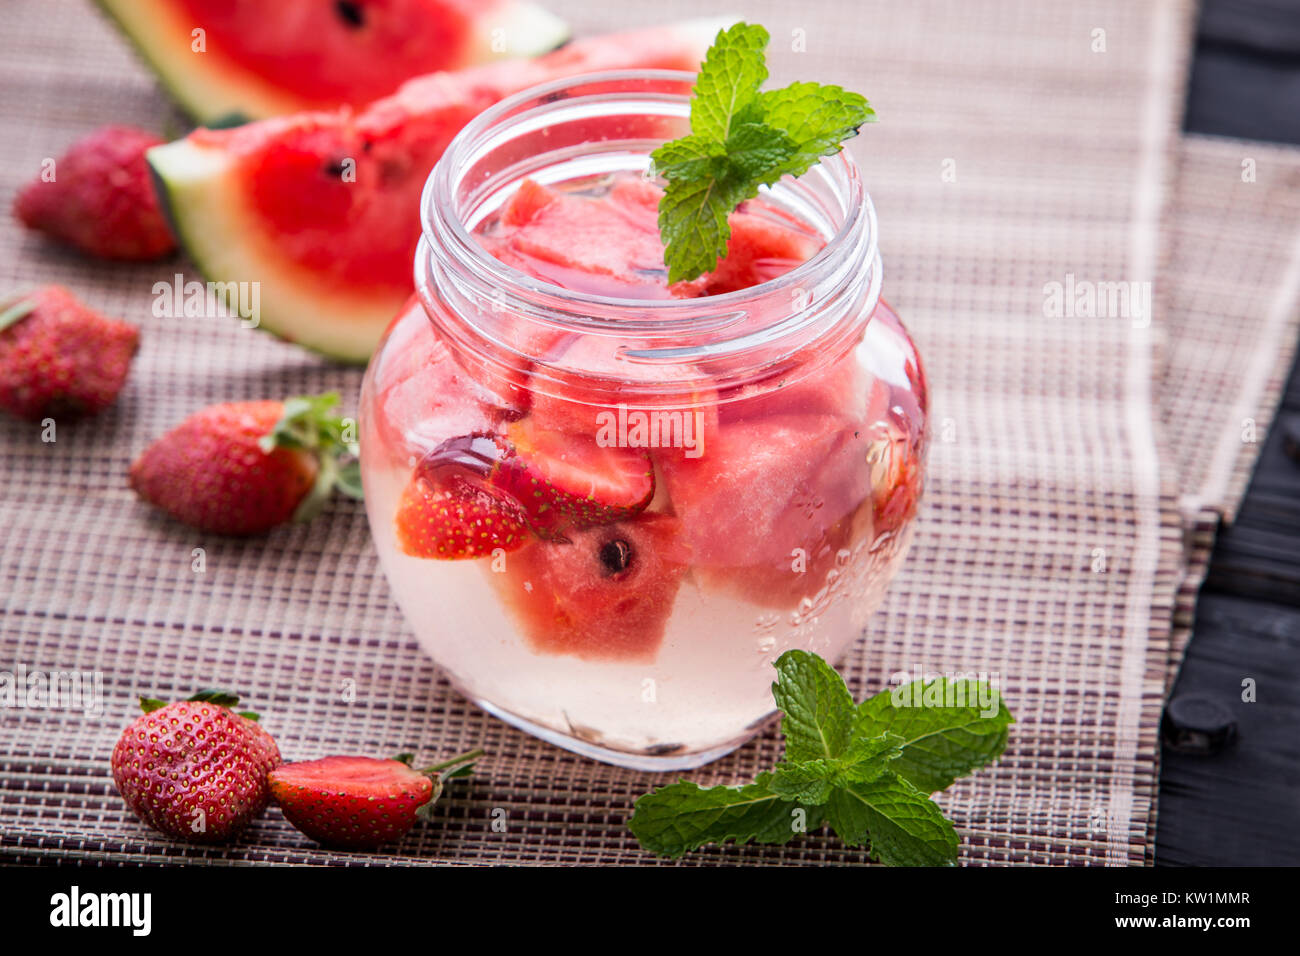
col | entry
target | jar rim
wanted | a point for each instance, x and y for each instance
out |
(441, 221)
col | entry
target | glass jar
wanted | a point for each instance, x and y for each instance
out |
(782, 429)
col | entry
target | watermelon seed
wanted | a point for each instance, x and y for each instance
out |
(616, 556)
(350, 13)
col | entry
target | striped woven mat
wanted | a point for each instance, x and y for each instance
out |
(1020, 146)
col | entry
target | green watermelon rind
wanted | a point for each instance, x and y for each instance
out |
(204, 217)
(203, 192)
(211, 97)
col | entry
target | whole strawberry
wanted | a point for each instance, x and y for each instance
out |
(99, 197)
(242, 468)
(195, 769)
(361, 802)
(59, 358)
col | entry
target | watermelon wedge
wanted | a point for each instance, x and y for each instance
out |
(322, 209)
(254, 60)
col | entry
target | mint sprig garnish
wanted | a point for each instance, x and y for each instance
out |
(741, 138)
(866, 770)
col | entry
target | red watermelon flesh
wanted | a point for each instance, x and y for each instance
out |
(587, 402)
(423, 396)
(324, 208)
(766, 487)
(842, 388)
(358, 51)
(292, 166)
(604, 240)
(604, 594)
(259, 58)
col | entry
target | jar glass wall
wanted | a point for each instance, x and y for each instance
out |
(749, 462)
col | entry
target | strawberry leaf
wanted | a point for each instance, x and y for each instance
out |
(309, 424)
(222, 698)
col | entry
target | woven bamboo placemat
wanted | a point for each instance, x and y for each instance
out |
(1012, 153)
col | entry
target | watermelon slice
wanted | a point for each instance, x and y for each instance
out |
(322, 209)
(426, 395)
(767, 487)
(265, 59)
(601, 595)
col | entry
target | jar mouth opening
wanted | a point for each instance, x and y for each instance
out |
(444, 218)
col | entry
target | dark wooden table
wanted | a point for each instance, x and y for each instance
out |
(1237, 801)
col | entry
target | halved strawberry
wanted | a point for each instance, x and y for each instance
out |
(564, 481)
(554, 482)
(445, 516)
(361, 802)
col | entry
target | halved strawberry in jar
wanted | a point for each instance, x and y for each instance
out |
(555, 481)
(603, 594)
(571, 481)
(444, 516)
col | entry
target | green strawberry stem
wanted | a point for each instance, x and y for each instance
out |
(21, 308)
(309, 425)
(466, 757)
(211, 695)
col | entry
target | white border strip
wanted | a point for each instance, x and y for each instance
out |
(1143, 258)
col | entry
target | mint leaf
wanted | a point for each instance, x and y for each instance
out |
(813, 781)
(819, 710)
(818, 118)
(940, 742)
(684, 816)
(854, 767)
(693, 223)
(866, 758)
(741, 138)
(691, 158)
(733, 70)
(757, 152)
(903, 826)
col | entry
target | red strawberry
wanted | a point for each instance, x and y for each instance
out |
(475, 493)
(361, 802)
(60, 359)
(244, 467)
(897, 482)
(448, 517)
(195, 769)
(571, 481)
(101, 198)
